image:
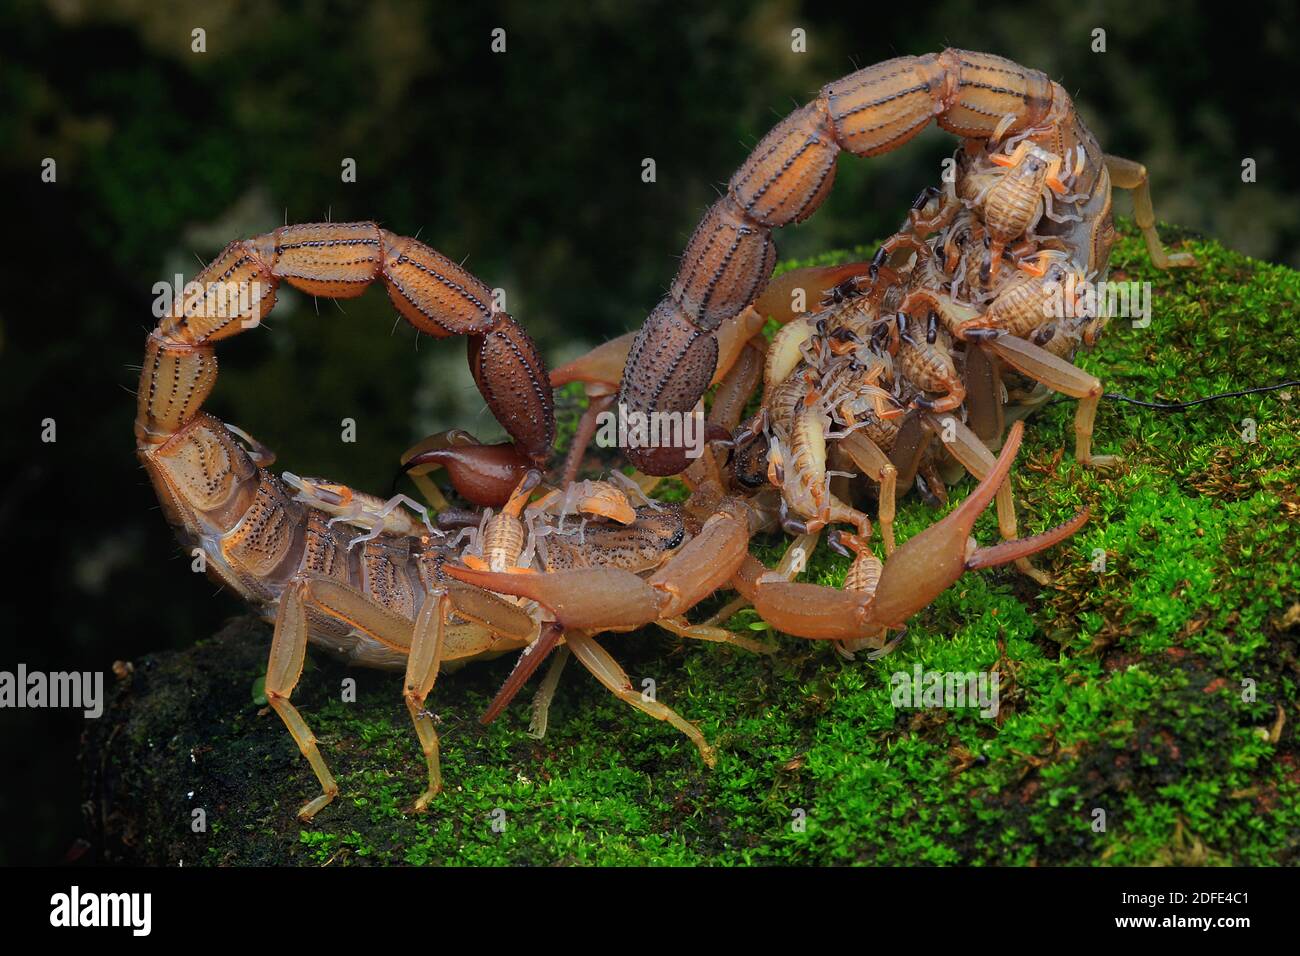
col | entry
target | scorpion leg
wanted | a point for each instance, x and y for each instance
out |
(867, 455)
(331, 598)
(529, 660)
(541, 707)
(422, 666)
(984, 397)
(1060, 376)
(491, 611)
(909, 447)
(727, 612)
(288, 651)
(599, 370)
(796, 555)
(421, 640)
(606, 670)
(1131, 175)
(716, 635)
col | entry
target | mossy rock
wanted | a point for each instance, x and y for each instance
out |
(1161, 690)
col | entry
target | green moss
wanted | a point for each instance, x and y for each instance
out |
(1123, 690)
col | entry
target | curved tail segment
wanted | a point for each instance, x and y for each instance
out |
(211, 488)
(339, 261)
(730, 257)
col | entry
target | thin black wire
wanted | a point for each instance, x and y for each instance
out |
(1183, 406)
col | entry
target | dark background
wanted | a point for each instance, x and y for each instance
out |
(527, 164)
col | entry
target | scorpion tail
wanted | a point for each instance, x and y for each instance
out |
(208, 483)
(730, 256)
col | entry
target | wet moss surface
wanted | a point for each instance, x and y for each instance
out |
(1160, 691)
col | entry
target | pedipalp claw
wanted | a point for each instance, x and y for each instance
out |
(482, 474)
(1009, 551)
(916, 573)
(586, 598)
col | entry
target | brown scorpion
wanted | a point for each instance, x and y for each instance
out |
(295, 550)
(987, 101)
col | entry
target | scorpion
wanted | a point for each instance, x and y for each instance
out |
(862, 422)
(912, 576)
(1029, 175)
(972, 344)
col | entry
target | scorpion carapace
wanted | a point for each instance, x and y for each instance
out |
(1029, 176)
